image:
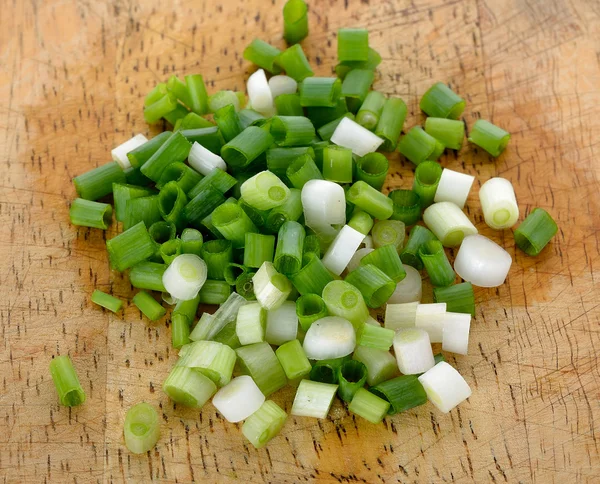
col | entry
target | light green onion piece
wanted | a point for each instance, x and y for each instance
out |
(313, 399)
(260, 362)
(372, 169)
(442, 102)
(293, 359)
(198, 94)
(288, 253)
(143, 209)
(66, 381)
(189, 387)
(489, 137)
(250, 324)
(459, 298)
(87, 213)
(312, 277)
(369, 406)
(264, 424)
(264, 191)
(410, 254)
(381, 364)
(373, 60)
(403, 393)
(222, 98)
(310, 308)
(361, 221)
(326, 371)
(214, 292)
(427, 178)
(141, 428)
(258, 248)
(191, 241)
(390, 123)
(289, 105)
(130, 247)
(436, 263)
(337, 164)
(302, 170)
(386, 259)
(160, 108)
(388, 232)
(535, 232)
(217, 254)
(375, 286)
(175, 148)
(148, 306)
(448, 222)
(370, 200)
(294, 62)
(123, 192)
(292, 130)
(233, 223)
(246, 147)
(449, 132)
(407, 206)
(344, 300)
(377, 337)
(148, 275)
(370, 111)
(356, 86)
(418, 146)
(353, 45)
(98, 182)
(263, 55)
(212, 359)
(106, 301)
(295, 21)
(270, 287)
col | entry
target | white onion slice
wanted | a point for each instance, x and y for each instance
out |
(342, 249)
(409, 289)
(356, 258)
(398, 316)
(324, 203)
(329, 337)
(239, 399)
(185, 276)
(482, 262)
(499, 203)
(445, 387)
(453, 187)
(430, 317)
(360, 140)
(282, 85)
(455, 337)
(282, 324)
(413, 351)
(448, 222)
(204, 161)
(259, 92)
(119, 154)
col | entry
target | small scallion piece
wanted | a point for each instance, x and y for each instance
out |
(66, 381)
(535, 232)
(148, 306)
(141, 428)
(489, 137)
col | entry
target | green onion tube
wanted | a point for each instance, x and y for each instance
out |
(368, 406)
(375, 286)
(189, 387)
(233, 271)
(370, 200)
(171, 202)
(361, 221)
(214, 292)
(246, 147)
(288, 253)
(148, 275)
(373, 60)
(410, 254)
(217, 254)
(427, 178)
(249, 117)
(370, 110)
(134, 176)
(326, 371)
(381, 364)
(448, 222)
(372, 169)
(263, 55)
(250, 324)
(535, 232)
(228, 122)
(141, 428)
(407, 206)
(436, 263)
(293, 61)
(353, 44)
(210, 138)
(499, 203)
(202, 204)
(291, 210)
(312, 278)
(66, 382)
(123, 192)
(98, 182)
(351, 375)
(270, 287)
(320, 91)
(292, 130)
(279, 159)
(155, 94)
(289, 105)
(390, 123)
(264, 424)
(295, 21)
(441, 102)
(198, 95)
(187, 309)
(184, 176)
(418, 146)
(260, 362)
(143, 153)
(258, 248)
(313, 399)
(320, 116)
(87, 213)
(148, 306)
(191, 241)
(169, 250)
(310, 308)
(489, 137)
(106, 301)
(162, 231)
(146, 209)
(193, 121)
(459, 298)
(233, 223)
(403, 393)
(258, 217)
(157, 110)
(387, 260)
(344, 300)
(293, 359)
(130, 247)
(179, 89)
(176, 116)
(356, 87)
(302, 170)
(337, 164)
(326, 131)
(244, 286)
(264, 191)
(449, 132)
(388, 232)
(217, 179)
(176, 148)
(180, 331)
(222, 98)
(311, 246)
(212, 359)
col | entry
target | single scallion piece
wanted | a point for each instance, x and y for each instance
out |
(179, 89)
(295, 21)
(442, 102)
(197, 93)
(320, 116)
(156, 93)
(160, 108)
(409, 289)
(311, 245)
(455, 333)
(449, 132)
(388, 232)
(372, 169)
(351, 376)
(222, 98)
(356, 86)
(264, 190)
(310, 308)
(403, 393)
(202, 204)
(386, 259)
(302, 170)
(189, 387)
(341, 249)
(148, 275)
(130, 247)
(326, 371)
(263, 55)
(185, 276)
(499, 203)
(214, 292)
(98, 182)
(370, 110)
(436, 263)
(210, 138)
(142, 209)
(245, 287)
(489, 137)
(87, 213)
(353, 45)
(402, 315)
(162, 231)
(407, 206)
(233, 223)
(320, 91)
(390, 123)
(123, 192)
(258, 248)
(169, 250)
(368, 406)
(418, 146)
(374, 284)
(187, 309)
(445, 387)
(430, 317)
(260, 362)
(377, 337)
(482, 262)
(294, 62)
(381, 364)
(193, 121)
(292, 130)
(410, 254)
(312, 277)
(449, 223)
(270, 287)
(291, 210)
(361, 221)
(326, 131)
(218, 179)
(175, 148)
(288, 253)
(352, 135)
(412, 348)
(453, 187)
(251, 323)
(246, 147)
(427, 177)
(279, 159)
(337, 164)
(250, 117)
(239, 399)
(233, 271)
(282, 324)
(264, 424)
(313, 399)
(459, 298)
(289, 105)
(370, 200)
(148, 306)
(217, 254)
(191, 241)
(373, 60)
(119, 154)
(171, 202)
(535, 232)
(344, 300)
(141, 428)
(180, 173)
(214, 360)
(66, 381)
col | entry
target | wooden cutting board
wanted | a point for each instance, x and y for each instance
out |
(73, 75)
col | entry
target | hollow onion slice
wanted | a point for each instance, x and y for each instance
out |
(185, 276)
(482, 262)
(329, 337)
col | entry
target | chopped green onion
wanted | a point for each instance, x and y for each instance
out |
(445, 387)
(391, 122)
(302, 170)
(489, 137)
(209, 327)
(214, 292)
(370, 200)
(344, 300)
(191, 241)
(175, 117)
(141, 428)
(98, 182)
(185, 276)
(386, 259)
(189, 387)
(142, 209)
(270, 287)
(245, 287)
(143, 153)
(312, 278)
(407, 206)
(418, 146)
(370, 110)
(258, 217)
(403, 393)
(320, 116)
(459, 298)
(218, 179)
(356, 86)
(313, 399)
(373, 60)
(159, 109)
(87, 213)
(258, 248)
(351, 376)
(289, 211)
(155, 94)
(375, 286)
(419, 235)
(352, 135)
(148, 275)
(264, 424)
(233, 223)
(353, 45)
(337, 164)
(312, 246)
(361, 221)
(289, 105)
(499, 203)
(162, 231)
(175, 148)
(181, 174)
(455, 333)
(427, 177)
(251, 323)
(326, 371)
(436, 263)
(441, 102)
(388, 232)
(326, 131)
(259, 93)
(288, 253)
(453, 187)
(282, 85)
(193, 121)
(212, 359)
(210, 138)
(448, 222)
(197, 92)
(249, 117)
(279, 159)
(329, 337)
(179, 89)
(372, 169)
(66, 382)
(130, 247)
(482, 262)
(239, 399)
(381, 364)
(148, 306)
(320, 91)
(412, 348)
(263, 55)
(171, 202)
(535, 232)
(402, 315)
(293, 61)
(265, 191)
(246, 147)
(377, 337)
(217, 254)
(282, 324)
(449, 132)
(260, 362)
(369, 406)
(222, 98)
(134, 176)
(292, 130)
(310, 308)
(202, 204)
(233, 271)
(187, 309)
(228, 122)
(295, 21)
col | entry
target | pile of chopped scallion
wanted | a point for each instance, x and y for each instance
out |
(273, 210)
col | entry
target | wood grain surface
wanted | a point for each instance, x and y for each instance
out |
(72, 78)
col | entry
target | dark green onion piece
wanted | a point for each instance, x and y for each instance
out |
(291, 210)
(361, 221)
(289, 105)
(246, 147)
(535, 232)
(130, 247)
(372, 169)
(123, 192)
(142, 154)
(162, 231)
(318, 147)
(191, 241)
(407, 206)
(233, 271)
(210, 138)
(351, 376)
(312, 278)
(374, 284)
(66, 382)
(449, 132)
(176, 148)
(198, 94)
(176, 116)
(98, 182)
(172, 200)
(143, 209)
(249, 117)
(410, 254)
(217, 254)
(370, 200)
(320, 91)
(373, 60)
(288, 253)
(258, 217)
(302, 170)
(170, 250)
(148, 306)
(260, 362)
(279, 159)
(427, 179)
(228, 122)
(370, 110)
(233, 223)
(353, 45)
(295, 21)
(326, 371)
(459, 298)
(258, 249)
(292, 130)
(87, 213)
(214, 292)
(442, 102)
(403, 392)
(179, 89)
(202, 204)
(106, 301)
(263, 55)
(386, 259)
(418, 146)
(294, 62)
(321, 116)
(356, 86)
(390, 123)
(310, 308)
(337, 164)
(436, 263)
(134, 176)
(245, 287)
(489, 137)
(180, 173)
(148, 275)
(155, 94)
(157, 110)
(217, 178)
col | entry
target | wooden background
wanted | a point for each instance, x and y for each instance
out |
(72, 78)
